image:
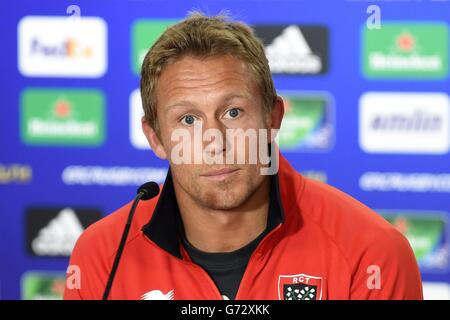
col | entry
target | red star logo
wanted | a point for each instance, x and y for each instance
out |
(62, 108)
(405, 42)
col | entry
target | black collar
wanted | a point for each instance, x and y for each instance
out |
(163, 227)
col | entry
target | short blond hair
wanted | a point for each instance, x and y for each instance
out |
(202, 36)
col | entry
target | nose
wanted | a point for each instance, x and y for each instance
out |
(215, 142)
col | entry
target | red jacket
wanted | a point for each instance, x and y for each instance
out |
(330, 246)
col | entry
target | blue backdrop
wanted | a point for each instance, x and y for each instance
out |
(51, 185)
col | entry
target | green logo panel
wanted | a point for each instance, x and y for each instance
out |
(427, 234)
(308, 123)
(406, 51)
(67, 117)
(144, 35)
(43, 286)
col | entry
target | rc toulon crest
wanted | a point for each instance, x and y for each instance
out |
(299, 287)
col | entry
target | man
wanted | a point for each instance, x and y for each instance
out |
(227, 229)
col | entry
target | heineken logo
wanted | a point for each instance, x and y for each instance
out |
(299, 287)
(406, 50)
(62, 117)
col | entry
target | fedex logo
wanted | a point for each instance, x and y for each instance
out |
(51, 46)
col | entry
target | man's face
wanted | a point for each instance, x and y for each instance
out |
(211, 93)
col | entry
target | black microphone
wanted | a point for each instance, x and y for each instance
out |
(147, 191)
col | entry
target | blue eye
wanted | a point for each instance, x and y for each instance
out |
(233, 113)
(188, 120)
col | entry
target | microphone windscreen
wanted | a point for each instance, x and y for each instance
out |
(149, 190)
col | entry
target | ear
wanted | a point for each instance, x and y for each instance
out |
(153, 140)
(276, 115)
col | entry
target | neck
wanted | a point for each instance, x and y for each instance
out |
(212, 230)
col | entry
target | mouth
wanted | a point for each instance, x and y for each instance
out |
(219, 175)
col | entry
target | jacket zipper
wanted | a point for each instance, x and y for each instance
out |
(252, 257)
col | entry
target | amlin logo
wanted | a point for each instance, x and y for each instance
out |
(308, 124)
(62, 117)
(400, 50)
(415, 123)
(62, 47)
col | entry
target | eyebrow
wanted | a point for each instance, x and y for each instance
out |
(224, 99)
(181, 103)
